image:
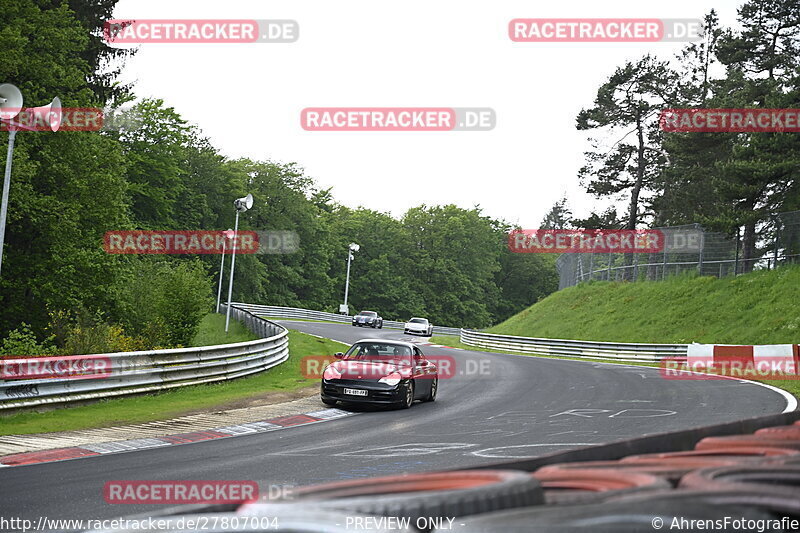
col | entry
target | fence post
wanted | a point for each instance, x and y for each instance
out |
(700, 262)
(777, 239)
(610, 258)
(736, 260)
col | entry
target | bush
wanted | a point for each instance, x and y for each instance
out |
(23, 342)
(164, 301)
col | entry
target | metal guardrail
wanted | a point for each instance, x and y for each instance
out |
(157, 370)
(571, 348)
(273, 311)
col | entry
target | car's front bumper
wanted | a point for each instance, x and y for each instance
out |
(379, 393)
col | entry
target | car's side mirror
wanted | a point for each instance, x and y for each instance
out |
(338, 355)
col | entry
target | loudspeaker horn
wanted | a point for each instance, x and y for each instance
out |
(10, 101)
(49, 114)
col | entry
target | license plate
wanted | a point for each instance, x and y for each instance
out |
(355, 392)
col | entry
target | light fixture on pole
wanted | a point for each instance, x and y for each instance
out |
(228, 234)
(242, 205)
(350, 249)
(10, 106)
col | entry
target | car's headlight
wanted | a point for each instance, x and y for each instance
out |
(391, 380)
(331, 373)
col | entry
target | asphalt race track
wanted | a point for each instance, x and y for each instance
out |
(496, 407)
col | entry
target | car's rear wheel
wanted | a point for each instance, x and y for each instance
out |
(434, 389)
(408, 398)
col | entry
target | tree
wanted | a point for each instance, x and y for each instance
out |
(559, 216)
(630, 100)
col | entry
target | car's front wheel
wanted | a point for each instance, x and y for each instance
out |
(328, 402)
(408, 397)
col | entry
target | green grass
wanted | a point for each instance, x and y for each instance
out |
(145, 408)
(758, 308)
(212, 331)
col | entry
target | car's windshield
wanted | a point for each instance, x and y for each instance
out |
(417, 321)
(368, 313)
(380, 353)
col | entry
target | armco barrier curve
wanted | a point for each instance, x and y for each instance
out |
(272, 311)
(571, 348)
(156, 370)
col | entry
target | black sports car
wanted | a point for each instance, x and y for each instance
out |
(382, 372)
(368, 318)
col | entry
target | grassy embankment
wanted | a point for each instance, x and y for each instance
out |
(758, 308)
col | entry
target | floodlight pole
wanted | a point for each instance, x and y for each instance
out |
(12, 133)
(347, 281)
(221, 270)
(233, 262)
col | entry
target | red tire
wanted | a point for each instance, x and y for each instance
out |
(732, 452)
(567, 485)
(672, 471)
(780, 432)
(749, 441)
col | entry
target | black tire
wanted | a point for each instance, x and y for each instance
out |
(408, 399)
(328, 402)
(434, 389)
(465, 495)
(381, 326)
(373, 326)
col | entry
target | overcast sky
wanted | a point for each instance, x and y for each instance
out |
(247, 98)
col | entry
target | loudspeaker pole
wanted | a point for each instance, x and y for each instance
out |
(12, 133)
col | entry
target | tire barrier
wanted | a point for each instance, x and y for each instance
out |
(781, 478)
(608, 517)
(670, 470)
(776, 503)
(739, 453)
(710, 443)
(780, 432)
(593, 485)
(422, 496)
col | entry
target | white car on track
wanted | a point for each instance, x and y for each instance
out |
(419, 326)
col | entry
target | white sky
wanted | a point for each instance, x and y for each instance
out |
(414, 53)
